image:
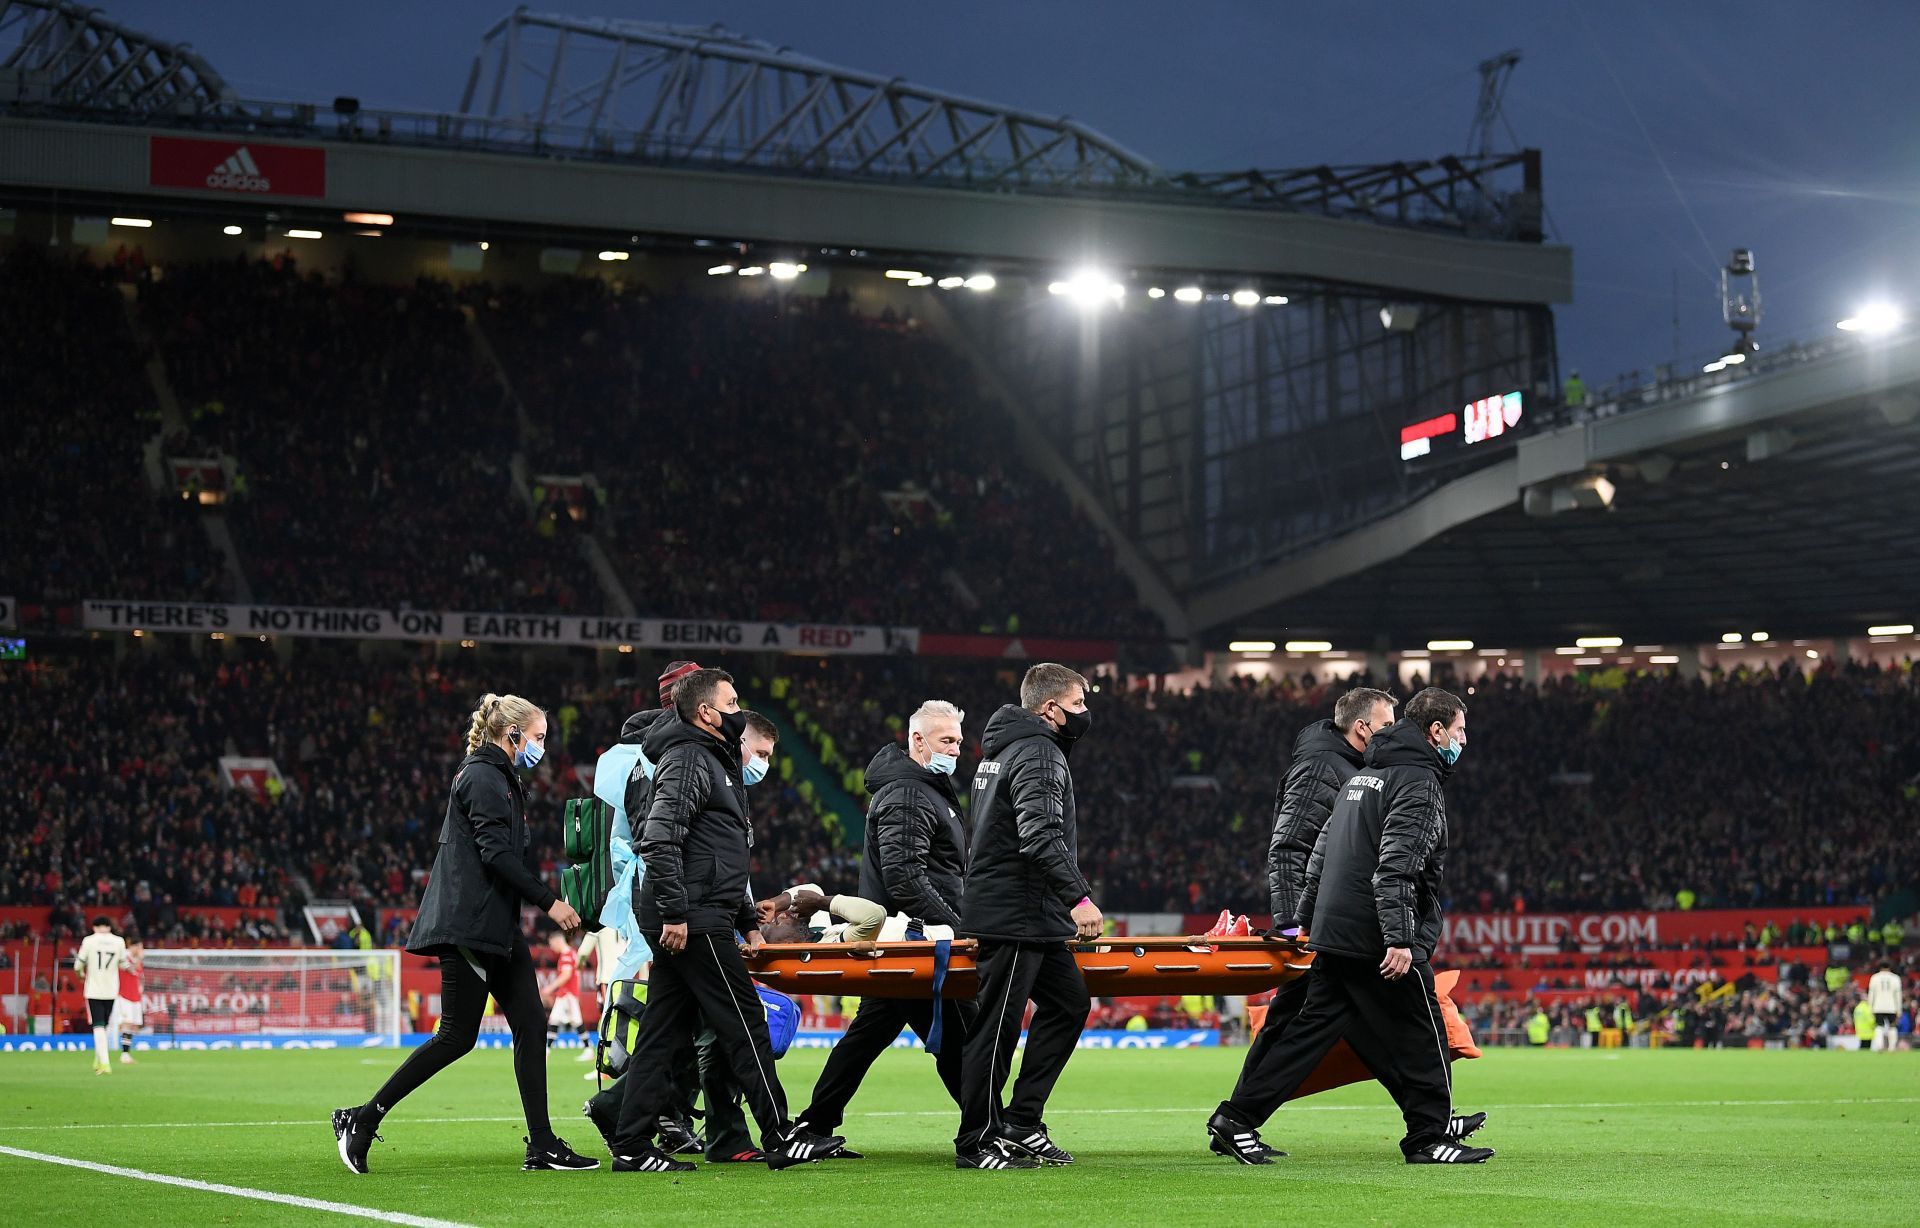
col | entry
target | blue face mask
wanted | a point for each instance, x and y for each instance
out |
(1451, 751)
(943, 764)
(753, 771)
(529, 755)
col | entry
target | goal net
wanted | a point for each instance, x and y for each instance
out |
(280, 997)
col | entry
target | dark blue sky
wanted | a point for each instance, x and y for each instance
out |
(1789, 128)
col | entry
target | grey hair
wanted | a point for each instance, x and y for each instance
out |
(934, 710)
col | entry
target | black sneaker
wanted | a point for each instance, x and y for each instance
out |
(355, 1137)
(1241, 1142)
(678, 1138)
(1450, 1153)
(802, 1147)
(557, 1157)
(1462, 1128)
(1034, 1142)
(842, 1152)
(604, 1120)
(650, 1159)
(994, 1153)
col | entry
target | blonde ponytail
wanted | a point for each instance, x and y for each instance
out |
(497, 714)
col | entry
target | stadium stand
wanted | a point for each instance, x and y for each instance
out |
(1175, 789)
(78, 411)
(374, 449)
(845, 464)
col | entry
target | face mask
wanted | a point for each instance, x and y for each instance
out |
(529, 755)
(943, 764)
(1077, 725)
(753, 772)
(732, 725)
(1451, 751)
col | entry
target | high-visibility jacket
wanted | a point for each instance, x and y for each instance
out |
(1863, 1023)
(1593, 1019)
(1538, 1027)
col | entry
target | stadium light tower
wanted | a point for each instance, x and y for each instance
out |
(1740, 300)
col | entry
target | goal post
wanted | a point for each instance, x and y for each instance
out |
(281, 997)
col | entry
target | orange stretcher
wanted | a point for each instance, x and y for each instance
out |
(1113, 968)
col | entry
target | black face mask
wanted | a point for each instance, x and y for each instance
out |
(733, 726)
(1077, 724)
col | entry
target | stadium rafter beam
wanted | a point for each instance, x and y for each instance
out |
(56, 53)
(709, 96)
(1450, 192)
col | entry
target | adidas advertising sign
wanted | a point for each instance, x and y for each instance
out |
(240, 173)
(252, 168)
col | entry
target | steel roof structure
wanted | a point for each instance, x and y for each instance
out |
(58, 54)
(668, 92)
(1787, 502)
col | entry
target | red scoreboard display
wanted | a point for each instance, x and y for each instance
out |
(1476, 422)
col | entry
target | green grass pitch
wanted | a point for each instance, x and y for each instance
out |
(1622, 1137)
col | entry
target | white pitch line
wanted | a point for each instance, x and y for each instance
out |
(238, 1191)
(1296, 1108)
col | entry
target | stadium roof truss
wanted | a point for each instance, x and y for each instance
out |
(59, 54)
(704, 94)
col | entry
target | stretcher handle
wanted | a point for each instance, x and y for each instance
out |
(871, 949)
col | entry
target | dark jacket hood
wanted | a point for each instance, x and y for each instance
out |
(893, 764)
(1404, 744)
(1324, 737)
(637, 725)
(670, 730)
(1013, 723)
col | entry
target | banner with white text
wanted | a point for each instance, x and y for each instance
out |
(559, 630)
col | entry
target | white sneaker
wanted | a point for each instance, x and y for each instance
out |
(126, 1059)
(586, 1055)
(591, 1075)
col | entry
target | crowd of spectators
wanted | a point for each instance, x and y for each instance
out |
(121, 803)
(789, 458)
(1762, 1006)
(83, 520)
(1750, 788)
(373, 450)
(1569, 798)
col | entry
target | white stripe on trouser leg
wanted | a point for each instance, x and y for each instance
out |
(765, 1083)
(1446, 1071)
(999, 1030)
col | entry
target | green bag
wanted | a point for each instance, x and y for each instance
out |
(587, 832)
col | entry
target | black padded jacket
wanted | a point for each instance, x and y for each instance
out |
(480, 874)
(916, 842)
(1322, 761)
(697, 838)
(1023, 872)
(1375, 877)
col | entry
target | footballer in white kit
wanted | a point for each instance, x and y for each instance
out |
(101, 956)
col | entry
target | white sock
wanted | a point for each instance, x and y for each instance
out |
(100, 1046)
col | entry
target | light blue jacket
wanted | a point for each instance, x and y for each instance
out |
(610, 786)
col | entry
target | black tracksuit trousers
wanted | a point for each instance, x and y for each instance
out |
(872, 1032)
(1394, 1026)
(708, 979)
(1011, 974)
(1281, 1012)
(466, 981)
